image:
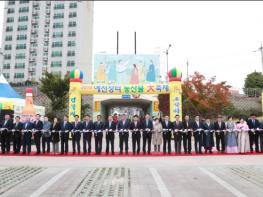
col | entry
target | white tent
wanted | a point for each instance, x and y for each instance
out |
(8, 94)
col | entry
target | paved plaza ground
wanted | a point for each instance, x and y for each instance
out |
(240, 175)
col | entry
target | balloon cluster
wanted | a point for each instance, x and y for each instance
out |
(175, 75)
(76, 75)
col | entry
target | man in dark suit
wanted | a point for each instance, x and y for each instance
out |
(147, 127)
(66, 127)
(6, 132)
(187, 134)
(123, 129)
(76, 133)
(198, 134)
(110, 128)
(18, 126)
(135, 128)
(167, 134)
(27, 135)
(177, 127)
(87, 133)
(98, 134)
(253, 125)
(220, 128)
(38, 126)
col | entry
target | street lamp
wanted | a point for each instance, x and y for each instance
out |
(167, 52)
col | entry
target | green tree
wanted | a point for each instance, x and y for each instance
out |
(253, 84)
(56, 88)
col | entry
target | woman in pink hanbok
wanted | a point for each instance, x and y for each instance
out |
(242, 136)
(134, 75)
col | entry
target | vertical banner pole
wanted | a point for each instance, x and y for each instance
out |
(175, 88)
(74, 100)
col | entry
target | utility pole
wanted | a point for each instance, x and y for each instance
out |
(261, 51)
(167, 53)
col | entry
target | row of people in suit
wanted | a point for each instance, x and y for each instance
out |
(182, 132)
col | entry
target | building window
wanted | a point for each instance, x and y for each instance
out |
(23, 1)
(57, 44)
(19, 75)
(71, 53)
(6, 75)
(58, 15)
(23, 9)
(20, 56)
(23, 18)
(22, 28)
(21, 37)
(21, 46)
(56, 64)
(10, 19)
(71, 34)
(58, 6)
(7, 57)
(11, 2)
(8, 47)
(71, 63)
(8, 38)
(19, 65)
(56, 53)
(10, 10)
(71, 43)
(36, 17)
(9, 28)
(57, 34)
(72, 14)
(6, 66)
(72, 24)
(58, 25)
(73, 5)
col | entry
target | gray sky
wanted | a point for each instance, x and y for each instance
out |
(218, 38)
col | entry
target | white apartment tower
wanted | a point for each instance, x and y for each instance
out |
(53, 36)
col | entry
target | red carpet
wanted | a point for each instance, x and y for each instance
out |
(130, 154)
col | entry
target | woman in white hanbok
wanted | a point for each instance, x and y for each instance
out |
(242, 137)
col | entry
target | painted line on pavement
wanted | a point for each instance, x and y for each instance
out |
(223, 183)
(160, 184)
(44, 187)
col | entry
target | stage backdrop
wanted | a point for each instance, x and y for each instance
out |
(126, 69)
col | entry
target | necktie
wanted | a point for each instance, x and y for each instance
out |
(65, 124)
(26, 126)
(109, 124)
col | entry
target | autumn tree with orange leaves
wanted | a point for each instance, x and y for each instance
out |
(201, 97)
